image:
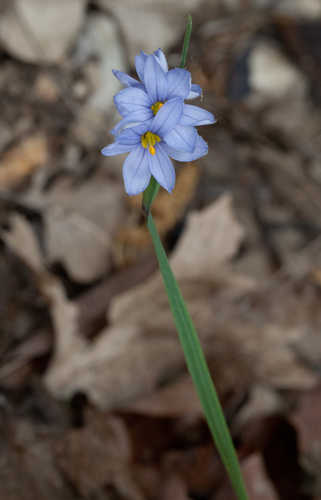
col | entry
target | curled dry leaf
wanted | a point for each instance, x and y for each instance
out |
(211, 238)
(79, 224)
(261, 401)
(121, 365)
(251, 332)
(22, 240)
(134, 344)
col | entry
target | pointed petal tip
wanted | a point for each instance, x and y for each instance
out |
(155, 79)
(212, 118)
(201, 149)
(195, 91)
(136, 173)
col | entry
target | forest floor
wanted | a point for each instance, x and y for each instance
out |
(95, 400)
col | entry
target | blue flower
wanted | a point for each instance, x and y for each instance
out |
(151, 144)
(194, 91)
(157, 125)
(140, 101)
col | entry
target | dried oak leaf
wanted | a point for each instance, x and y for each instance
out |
(22, 240)
(134, 344)
(251, 332)
(80, 223)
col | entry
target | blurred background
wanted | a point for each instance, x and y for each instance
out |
(95, 401)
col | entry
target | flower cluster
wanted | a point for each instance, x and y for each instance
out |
(156, 123)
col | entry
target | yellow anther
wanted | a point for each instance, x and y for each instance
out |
(156, 107)
(149, 140)
(144, 142)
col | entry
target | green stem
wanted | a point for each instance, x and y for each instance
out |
(198, 367)
(194, 356)
(187, 38)
(150, 194)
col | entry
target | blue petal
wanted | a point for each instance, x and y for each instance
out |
(140, 60)
(132, 120)
(195, 91)
(117, 149)
(194, 116)
(160, 56)
(167, 117)
(130, 136)
(181, 138)
(200, 150)
(162, 168)
(126, 79)
(179, 83)
(136, 171)
(155, 80)
(131, 100)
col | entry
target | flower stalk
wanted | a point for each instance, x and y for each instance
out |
(193, 352)
(158, 126)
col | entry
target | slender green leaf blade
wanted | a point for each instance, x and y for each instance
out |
(187, 38)
(198, 368)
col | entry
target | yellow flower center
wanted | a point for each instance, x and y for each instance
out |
(156, 107)
(149, 140)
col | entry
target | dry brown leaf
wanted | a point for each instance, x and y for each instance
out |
(53, 462)
(79, 225)
(133, 356)
(93, 368)
(22, 240)
(261, 401)
(134, 345)
(211, 238)
(22, 160)
(121, 365)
